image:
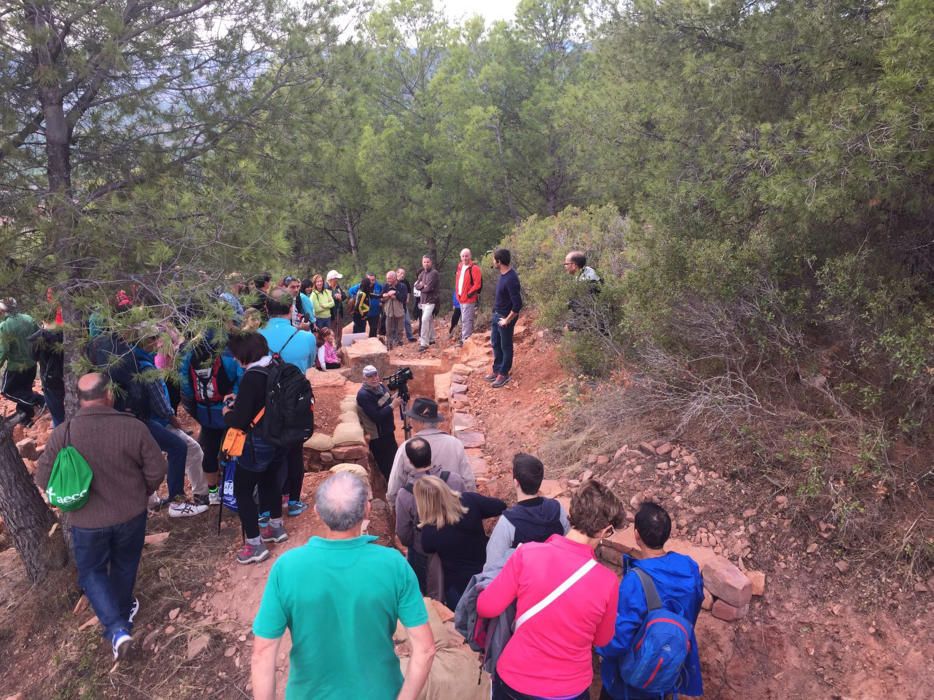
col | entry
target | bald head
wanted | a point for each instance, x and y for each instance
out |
(341, 501)
(465, 256)
(94, 390)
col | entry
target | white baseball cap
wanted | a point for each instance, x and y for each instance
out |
(370, 371)
(334, 275)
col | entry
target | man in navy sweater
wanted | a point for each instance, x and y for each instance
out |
(506, 306)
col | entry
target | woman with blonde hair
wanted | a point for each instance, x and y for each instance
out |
(452, 526)
(323, 302)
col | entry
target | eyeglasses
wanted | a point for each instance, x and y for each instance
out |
(610, 533)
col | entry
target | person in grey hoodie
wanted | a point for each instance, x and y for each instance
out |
(533, 518)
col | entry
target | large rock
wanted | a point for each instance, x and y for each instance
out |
(552, 488)
(701, 555)
(348, 403)
(478, 465)
(347, 452)
(458, 388)
(319, 379)
(462, 369)
(623, 541)
(349, 339)
(348, 434)
(471, 438)
(724, 611)
(727, 582)
(442, 386)
(416, 362)
(366, 352)
(463, 421)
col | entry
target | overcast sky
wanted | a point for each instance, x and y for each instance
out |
(490, 9)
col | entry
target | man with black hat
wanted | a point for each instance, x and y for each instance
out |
(447, 452)
(378, 407)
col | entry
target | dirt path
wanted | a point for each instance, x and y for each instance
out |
(811, 635)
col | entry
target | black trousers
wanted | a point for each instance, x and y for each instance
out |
(295, 476)
(211, 440)
(383, 450)
(267, 483)
(17, 387)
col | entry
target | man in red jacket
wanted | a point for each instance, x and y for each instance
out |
(468, 281)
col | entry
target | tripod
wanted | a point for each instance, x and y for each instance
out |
(406, 426)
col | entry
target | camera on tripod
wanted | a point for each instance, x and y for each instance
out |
(399, 381)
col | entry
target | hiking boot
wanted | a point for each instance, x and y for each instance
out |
(500, 381)
(122, 644)
(134, 609)
(274, 533)
(250, 553)
(180, 508)
(491, 377)
(296, 508)
(214, 497)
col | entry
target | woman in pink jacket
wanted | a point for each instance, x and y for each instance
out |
(566, 604)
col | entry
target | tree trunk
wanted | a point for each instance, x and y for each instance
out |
(27, 518)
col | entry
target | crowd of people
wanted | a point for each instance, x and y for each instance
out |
(531, 596)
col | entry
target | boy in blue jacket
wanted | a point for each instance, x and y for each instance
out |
(680, 587)
(208, 374)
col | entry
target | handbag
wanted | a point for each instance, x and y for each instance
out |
(235, 439)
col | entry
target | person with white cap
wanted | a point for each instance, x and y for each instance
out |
(337, 313)
(378, 407)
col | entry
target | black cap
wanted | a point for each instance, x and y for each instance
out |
(424, 410)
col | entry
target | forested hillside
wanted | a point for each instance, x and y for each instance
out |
(752, 180)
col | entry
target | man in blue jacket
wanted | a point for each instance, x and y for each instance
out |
(680, 587)
(299, 348)
(208, 374)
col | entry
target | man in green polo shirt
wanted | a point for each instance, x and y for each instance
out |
(340, 597)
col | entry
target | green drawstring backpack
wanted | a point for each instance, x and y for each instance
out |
(70, 481)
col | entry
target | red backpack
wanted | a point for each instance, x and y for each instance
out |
(210, 384)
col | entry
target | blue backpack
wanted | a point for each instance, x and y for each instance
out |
(661, 646)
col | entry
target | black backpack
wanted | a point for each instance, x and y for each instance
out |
(290, 403)
(410, 487)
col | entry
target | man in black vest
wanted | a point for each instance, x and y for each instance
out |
(534, 518)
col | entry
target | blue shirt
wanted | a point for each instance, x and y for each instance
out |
(508, 294)
(300, 351)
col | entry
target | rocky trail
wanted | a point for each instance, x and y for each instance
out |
(785, 618)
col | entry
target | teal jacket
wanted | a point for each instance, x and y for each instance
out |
(15, 348)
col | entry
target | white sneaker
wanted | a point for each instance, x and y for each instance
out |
(186, 509)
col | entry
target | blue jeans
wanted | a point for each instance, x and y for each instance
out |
(55, 402)
(107, 560)
(322, 323)
(501, 340)
(407, 324)
(177, 452)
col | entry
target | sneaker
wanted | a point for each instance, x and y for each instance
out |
(214, 497)
(263, 520)
(500, 381)
(250, 553)
(201, 499)
(296, 508)
(186, 509)
(274, 533)
(134, 609)
(122, 644)
(423, 348)
(156, 502)
(491, 377)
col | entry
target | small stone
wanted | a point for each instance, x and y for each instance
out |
(647, 448)
(170, 629)
(173, 613)
(242, 638)
(586, 475)
(781, 501)
(811, 548)
(602, 460)
(842, 566)
(197, 644)
(750, 513)
(230, 651)
(664, 448)
(757, 579)
(156, 538)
